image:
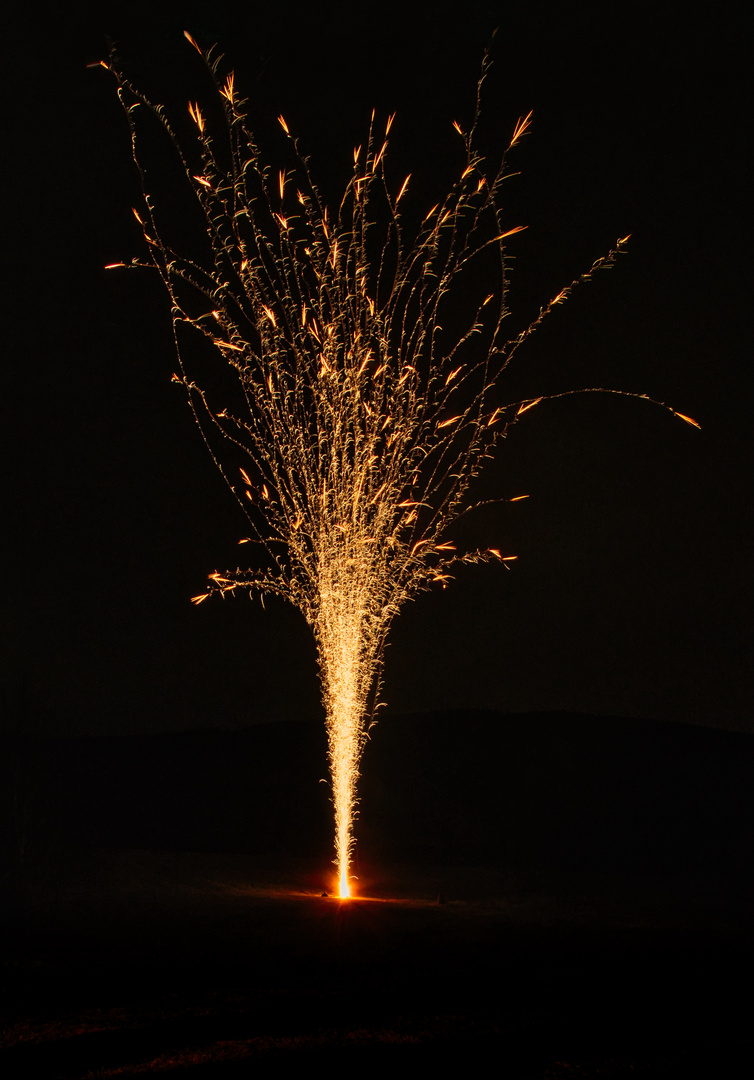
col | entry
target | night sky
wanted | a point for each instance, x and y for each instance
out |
(631, 595)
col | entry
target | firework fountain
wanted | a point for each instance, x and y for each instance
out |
(354, 423)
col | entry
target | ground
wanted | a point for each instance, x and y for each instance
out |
(143, 963)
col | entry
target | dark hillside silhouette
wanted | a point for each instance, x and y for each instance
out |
(553, 791)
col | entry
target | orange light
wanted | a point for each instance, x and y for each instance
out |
(528, 405)
(688, 419)
(339, 441)
(227, 90)
(402, 192)
(522, 126)
(196, 116)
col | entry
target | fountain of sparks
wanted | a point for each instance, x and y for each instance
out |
(357, 423)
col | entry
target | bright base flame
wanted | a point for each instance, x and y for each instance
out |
(345, 889)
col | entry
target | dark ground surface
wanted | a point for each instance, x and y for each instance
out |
(136, 963)
(596, 877)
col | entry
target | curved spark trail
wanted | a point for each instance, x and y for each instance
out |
(354, 421)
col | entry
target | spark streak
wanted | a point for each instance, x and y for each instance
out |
(343, 377)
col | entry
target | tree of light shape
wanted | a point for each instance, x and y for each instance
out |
(360, 424)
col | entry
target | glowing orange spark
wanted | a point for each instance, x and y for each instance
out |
(512, 232)
(227, 90)
(196, 116)
(521, 128)
(688, 419)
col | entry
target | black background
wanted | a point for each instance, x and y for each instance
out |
(632, 591)
(596, 860)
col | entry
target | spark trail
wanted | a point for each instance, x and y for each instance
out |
(354, 423)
